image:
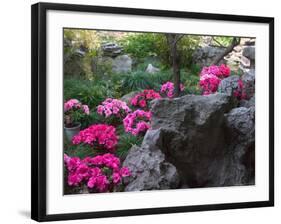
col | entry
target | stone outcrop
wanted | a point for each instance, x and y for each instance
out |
(195, 141)
(150, 170)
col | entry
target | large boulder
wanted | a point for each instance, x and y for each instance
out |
(150, 170)
(191, 133)
(209, 143)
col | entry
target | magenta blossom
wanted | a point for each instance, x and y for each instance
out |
(91, 172)
(143, 98)
(113, 107)
(137, 122)
(168, 89)
(210, 78)
(99, 136)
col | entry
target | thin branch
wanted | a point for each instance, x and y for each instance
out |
(233, 44)
(214, 39)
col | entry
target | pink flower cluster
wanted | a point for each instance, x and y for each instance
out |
(137, 122)
(222, 71)
(73, 104)
(209, 83)
(100, 173)
(113, 107)
(100, 136)
(210, 77)
(142, 99)
(168, 89)
(240, 93)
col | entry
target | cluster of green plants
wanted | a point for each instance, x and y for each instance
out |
(142, 45)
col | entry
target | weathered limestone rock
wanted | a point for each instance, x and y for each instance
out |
(150, 170)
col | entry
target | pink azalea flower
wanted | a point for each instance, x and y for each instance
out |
(168, 89)
(89, 171)
(97, 135)
(113, 107)
(143, 98)
(137, 122)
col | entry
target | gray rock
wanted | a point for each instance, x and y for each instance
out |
(249, 52)
(209, 143)
(239, 165)
(248, 103)
(203, 56)
(111, 49)
(249, 82)
(150, 170)
(245, 62)
(122, 63)
(151, 69)
(228, 85)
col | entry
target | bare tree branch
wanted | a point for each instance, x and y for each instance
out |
(214, 39)
(229, 48)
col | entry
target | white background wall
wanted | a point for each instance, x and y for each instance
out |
(15, 110)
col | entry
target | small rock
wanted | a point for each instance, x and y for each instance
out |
(245, 62)
(249, 52)
(151, 69)
(111, 49)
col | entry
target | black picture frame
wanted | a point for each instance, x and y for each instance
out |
(38, 108)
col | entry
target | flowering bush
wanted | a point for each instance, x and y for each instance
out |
(240, 92)
(113, 107)
(74, 111)
(222, 71)
(99, 136)
(168, 89)
(137, 122)
(210, 77)
(209, 83)
(101, 173)
(142, 99)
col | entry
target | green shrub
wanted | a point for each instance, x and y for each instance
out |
(139, 45)
(125, 142)
(89, 92)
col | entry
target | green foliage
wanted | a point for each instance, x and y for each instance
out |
(125, 142)
(76, 41)
(141, 80)
(88, 92)
(190, 79)
(136, 81)
(222, 41)
(139, 45)
(89, 39)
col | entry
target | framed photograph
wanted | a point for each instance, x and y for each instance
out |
(139, 111)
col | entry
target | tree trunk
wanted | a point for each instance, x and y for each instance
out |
(175, 60)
